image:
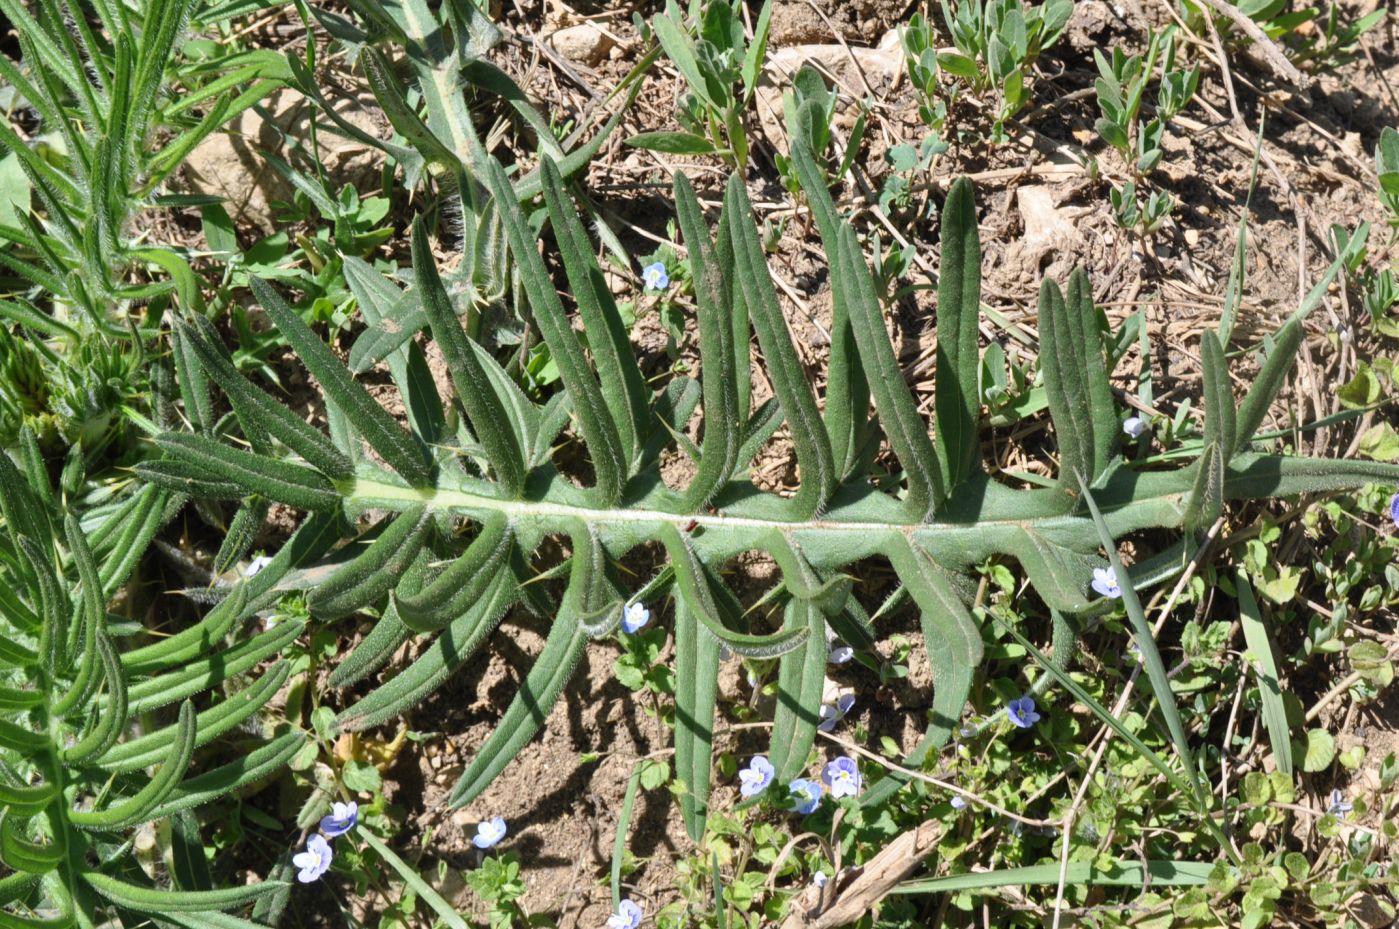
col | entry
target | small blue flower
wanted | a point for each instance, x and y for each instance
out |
(838, 652)
(1133, 426)
(958, 803)
(1022, 712)
(489, 833)
(830, 715)
(1105, 582)
(635, 617)
(1339, 805)
(628, 916)
(341, 820)
(819, 879)
(755, 778)
(806, 794)
(1394, 510)
(655, 277)
(842, 776)
(256, 565)
(314, 861)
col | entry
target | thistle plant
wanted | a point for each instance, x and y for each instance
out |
(459, 496)
(99, 81)
(102, 97)
(425, 66)
(77, 778)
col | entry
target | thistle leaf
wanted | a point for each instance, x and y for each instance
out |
(351, 399)
(447, 652)
(847, 388)
(261, 411)
(957, 398)
(818, 474)
(954, 648)
(693, 581)
(452, 592)
(829, 596)
(801, 674)
(282, 481)
(623, 388)
(1075, 379)
(599, 430)
(542, 686)
(196, 676)
(373, 572)
(483, 406)
(722, 432)
(137, 808)
(1268, 382)
(249, 769)
(112, 720)
(374, 650)
(696, 691)
(162, 900)
(148, 749)
(908, 434)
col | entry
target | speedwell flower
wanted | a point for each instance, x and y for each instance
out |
(755, 778)
(489, 832)
(314, 861)
(256, 565)
(842, 776)
(1394, 510)
(655, 277)
(958, 803)
(628, 916)
(1339, 805)
(806, 794)
(830, 715)
(838, 652)
(635, 617)
(819, 879)
(1105, 582)
(1133, 426)
(341, 820)
(1022, 712)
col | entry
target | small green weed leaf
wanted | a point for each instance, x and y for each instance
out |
(1363, 390)
(1315, 752)
(672, 143)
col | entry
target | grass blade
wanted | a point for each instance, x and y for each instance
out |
(1260, 645)
(1117, 874)
(1151, 657)
(415, 882)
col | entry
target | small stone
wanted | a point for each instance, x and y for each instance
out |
(584, 43)
(1192, 237)
(1045, 223)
